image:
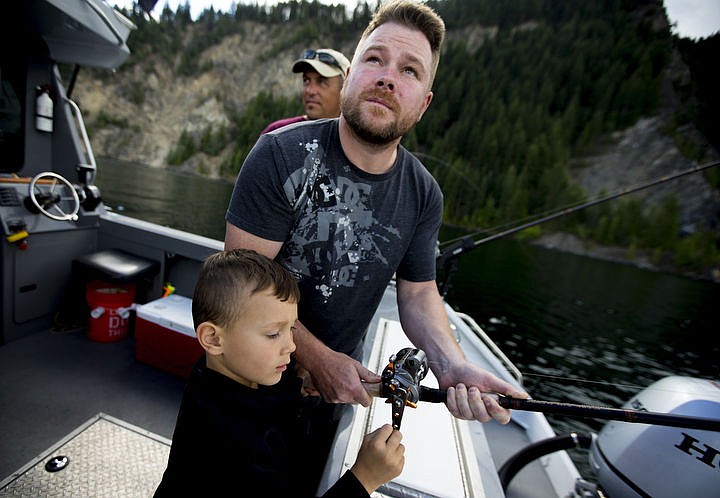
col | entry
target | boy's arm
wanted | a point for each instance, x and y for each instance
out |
(380, 459)
(347, 486)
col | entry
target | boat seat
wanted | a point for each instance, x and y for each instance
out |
(114, 265)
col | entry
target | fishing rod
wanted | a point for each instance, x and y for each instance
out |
(448, 257)
(604, 413)
(400, 385)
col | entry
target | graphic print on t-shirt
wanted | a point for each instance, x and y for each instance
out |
(335, 229)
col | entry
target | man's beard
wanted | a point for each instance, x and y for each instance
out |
(369, 131)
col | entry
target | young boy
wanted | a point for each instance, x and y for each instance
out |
(237, 431)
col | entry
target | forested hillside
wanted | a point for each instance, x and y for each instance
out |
(525, 90)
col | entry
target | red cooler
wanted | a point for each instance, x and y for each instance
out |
(109, 310)
(165, 335)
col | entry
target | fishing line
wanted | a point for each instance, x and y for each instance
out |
(558, 378)
(519, 225)
(449, 166)
(561, 378)
(529, 218)
(584, 381)
(497, 228)
(606, 383)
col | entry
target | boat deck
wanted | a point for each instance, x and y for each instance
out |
(105, 457)
(51, 384)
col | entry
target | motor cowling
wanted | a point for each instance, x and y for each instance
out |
(632, 459)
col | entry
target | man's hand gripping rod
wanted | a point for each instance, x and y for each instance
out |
(400, 385)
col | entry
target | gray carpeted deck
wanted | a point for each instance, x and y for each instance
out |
(50, 384)
(106, 457)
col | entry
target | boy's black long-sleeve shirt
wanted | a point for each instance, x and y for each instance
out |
(232, 440)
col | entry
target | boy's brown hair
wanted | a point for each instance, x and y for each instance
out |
(228, 278)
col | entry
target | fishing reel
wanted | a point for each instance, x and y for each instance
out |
(400, 382)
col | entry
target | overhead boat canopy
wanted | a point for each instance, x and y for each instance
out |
(83, 32)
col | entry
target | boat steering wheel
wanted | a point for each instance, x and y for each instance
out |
(45, 195)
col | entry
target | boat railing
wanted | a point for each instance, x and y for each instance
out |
(91, 166)
(480, 333)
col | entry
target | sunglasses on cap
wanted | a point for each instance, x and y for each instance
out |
(322, 57)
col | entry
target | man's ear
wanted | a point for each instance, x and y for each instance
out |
(210, 337)
(428, 98)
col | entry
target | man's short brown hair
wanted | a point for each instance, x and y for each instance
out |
(414, 16)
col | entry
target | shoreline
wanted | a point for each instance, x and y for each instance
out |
(565, 242)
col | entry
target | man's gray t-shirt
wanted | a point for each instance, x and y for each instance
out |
(345, 232)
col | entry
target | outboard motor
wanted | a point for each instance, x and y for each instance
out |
(639, 460)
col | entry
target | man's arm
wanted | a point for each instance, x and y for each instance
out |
(425, 321)
(237, 238)
(335, 375)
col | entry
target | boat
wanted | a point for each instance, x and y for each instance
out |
(89, 398)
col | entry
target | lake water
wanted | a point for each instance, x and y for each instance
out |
(581, 330)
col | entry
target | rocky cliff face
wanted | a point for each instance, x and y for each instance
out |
(145, 129)
(639, 154)
(643, 153)
(145, 132)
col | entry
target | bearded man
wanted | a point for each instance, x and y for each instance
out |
(343, 206)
